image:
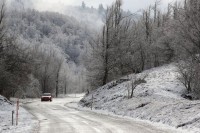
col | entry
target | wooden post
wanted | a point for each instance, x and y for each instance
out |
(17, 108)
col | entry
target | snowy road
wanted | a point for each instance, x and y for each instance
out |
(54, 117)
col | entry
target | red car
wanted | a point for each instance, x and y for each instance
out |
(46, 97)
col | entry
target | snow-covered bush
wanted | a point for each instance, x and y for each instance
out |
(190, 76)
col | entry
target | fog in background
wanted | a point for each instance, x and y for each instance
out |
(60, 5)
(67, 7)
(132, 5)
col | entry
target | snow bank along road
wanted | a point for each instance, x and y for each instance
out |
(54, 117)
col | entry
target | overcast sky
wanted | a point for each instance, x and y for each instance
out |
(132, 5)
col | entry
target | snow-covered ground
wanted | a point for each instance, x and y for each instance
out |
(26, 124)
(158, 100)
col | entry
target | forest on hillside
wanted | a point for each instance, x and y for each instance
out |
(131, 44)
(50, 47)
(61, 53)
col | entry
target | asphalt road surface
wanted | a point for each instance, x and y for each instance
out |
(54, 117)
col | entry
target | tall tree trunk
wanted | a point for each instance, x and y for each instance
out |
(65, 87)
(105, 45)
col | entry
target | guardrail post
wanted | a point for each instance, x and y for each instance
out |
(13, 117)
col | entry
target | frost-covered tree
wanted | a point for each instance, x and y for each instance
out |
(14, 59)
(108, 50)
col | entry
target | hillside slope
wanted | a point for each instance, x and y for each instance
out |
(49, 38)
(50, 28)
(157, 100)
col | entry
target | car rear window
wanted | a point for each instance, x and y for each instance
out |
(47, 94)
